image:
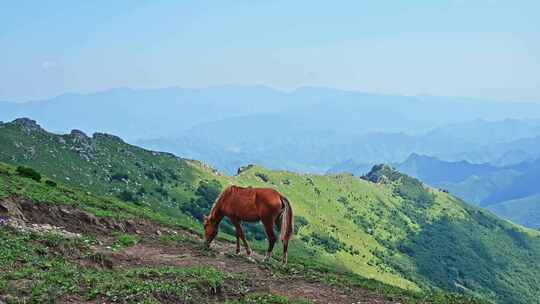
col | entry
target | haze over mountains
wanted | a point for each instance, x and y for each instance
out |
(484, 152)
(308, 129)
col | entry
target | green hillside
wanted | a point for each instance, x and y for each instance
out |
(63, 245)
(388, 226)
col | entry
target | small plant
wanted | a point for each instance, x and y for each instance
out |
(126, 240)
(29, 172)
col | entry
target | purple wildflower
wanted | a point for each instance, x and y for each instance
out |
(3, 220)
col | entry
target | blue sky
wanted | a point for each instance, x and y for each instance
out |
(482, 48)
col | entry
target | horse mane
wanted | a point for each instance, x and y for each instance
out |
(219, 199)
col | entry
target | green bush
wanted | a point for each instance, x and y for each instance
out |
(329, 243)
(127, 196)
(412, 189)
(29, 172)
(119, 177)
(127, 240)
(207, 192)
(50, 183)
(264, 177)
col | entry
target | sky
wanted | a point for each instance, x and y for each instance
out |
(481, 48)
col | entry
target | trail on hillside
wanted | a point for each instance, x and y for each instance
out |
(152, 251)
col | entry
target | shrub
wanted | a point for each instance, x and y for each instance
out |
(127, 196)
(29, 172)
(329, 243)
(162, 191)
(50, 183)
(299, 222)
(127, 240)
(141, 191)
(263, 177)
(119, 177)
(412, 189)
(207, 192)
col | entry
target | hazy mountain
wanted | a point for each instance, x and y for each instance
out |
(483, 132)
(165, 113)
(432, 171)
(308, 129)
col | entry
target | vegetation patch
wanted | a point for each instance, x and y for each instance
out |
(266, 299)
(126, 240)
(29, 172)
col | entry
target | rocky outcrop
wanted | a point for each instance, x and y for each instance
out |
(28, 125)
(79, 134)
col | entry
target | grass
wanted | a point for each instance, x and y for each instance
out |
(266, 299)
(37, 269)
(125, 240)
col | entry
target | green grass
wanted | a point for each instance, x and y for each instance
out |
(125, 240)
(266, 299)
(36, 269)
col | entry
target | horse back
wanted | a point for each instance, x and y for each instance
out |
(251, 204)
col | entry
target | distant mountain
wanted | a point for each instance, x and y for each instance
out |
(525, 211)
(279, 142)
(308, 129)
(527, 184)
(165, 113)
(432, 171)
(483, 132)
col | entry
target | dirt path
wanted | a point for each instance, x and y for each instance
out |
(152, 250)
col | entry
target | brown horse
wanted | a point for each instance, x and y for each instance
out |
(252, 205)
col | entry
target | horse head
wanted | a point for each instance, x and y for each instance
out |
(210, 230)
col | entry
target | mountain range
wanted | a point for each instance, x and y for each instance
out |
(309, 129)
(387, 226)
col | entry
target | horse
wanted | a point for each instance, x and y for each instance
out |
(252, 205)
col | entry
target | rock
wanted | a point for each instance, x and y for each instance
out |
(79, 134)
(158, 232)
(11, 209)
(244, 168)
(28, 125)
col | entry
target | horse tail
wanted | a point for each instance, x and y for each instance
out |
(287, 221)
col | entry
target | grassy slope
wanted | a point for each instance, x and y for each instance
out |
(53, 265)
(347, 223)
(447, 244)
(44, 260)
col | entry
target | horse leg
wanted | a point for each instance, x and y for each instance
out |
(234, 221)
(285, 253)
(237, 236)
(240, 233)
(237, 243)
(269, 227)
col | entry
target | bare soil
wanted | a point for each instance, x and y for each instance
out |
(152, 250)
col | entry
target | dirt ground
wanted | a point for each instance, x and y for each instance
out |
(151, 250)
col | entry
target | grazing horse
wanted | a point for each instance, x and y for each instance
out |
(252, 205)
